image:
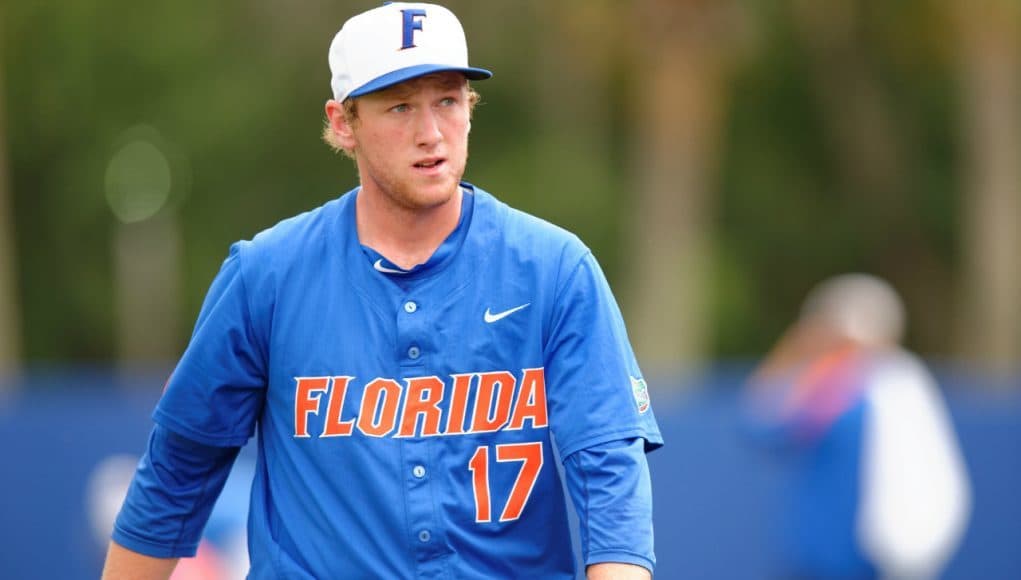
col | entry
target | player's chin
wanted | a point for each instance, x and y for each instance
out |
(441, 193)
(429, 194)
(440, 184)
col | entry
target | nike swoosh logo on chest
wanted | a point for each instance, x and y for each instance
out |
(490, 317)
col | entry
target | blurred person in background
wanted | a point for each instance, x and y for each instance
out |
(879, 484)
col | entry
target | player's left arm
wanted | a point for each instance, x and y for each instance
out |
(612, 493)
(603, 423)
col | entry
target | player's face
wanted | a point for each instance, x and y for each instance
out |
(411, 141)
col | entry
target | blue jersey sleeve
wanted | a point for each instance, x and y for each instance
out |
(611, 490)
(596, 391)
(172, 495)
(216, 393)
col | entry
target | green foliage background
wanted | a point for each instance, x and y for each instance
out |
(236, 91)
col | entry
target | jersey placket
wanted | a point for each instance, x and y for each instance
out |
(426, 536)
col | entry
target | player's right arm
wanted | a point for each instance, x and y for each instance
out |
(125, 564)
(207, 412)
(168, 503)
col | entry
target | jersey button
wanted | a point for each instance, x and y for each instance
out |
(424, 536)
(414, 352)
(410, 307)
(418, 471)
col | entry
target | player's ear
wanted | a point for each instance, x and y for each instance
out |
(340, 125)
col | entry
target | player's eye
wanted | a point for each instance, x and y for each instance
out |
(448, 101)
(401, 108)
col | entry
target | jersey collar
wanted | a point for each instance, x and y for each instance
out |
(442, 254)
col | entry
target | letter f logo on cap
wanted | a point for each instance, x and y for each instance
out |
(365, 57)
(411, 25)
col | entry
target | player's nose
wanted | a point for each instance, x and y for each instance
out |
(427, 128)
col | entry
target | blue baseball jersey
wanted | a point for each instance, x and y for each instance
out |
(406, 420)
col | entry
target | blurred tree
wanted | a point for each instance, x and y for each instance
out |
(715, 184)
(10, 322)
(679, 93)
(217, 81)
(58, 122)
(147, 291)
(989, 33)
(576, 173)
(876, 161)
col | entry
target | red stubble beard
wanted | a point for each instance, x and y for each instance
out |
(413, 188)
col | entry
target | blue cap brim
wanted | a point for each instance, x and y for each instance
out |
(399, 76)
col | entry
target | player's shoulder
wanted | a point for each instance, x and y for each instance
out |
(290, 238)
(526, 233)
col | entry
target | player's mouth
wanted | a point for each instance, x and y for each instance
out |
(431, 164)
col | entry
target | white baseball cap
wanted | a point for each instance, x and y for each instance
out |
(396, 42)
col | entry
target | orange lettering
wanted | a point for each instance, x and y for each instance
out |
(492, 404)
(380, 398)
(305, 402)
(334, 426)
(422, 399)
(531, 401)
(458, 405)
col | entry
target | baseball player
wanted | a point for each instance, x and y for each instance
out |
(414, 357)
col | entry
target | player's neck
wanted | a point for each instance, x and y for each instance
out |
(405, 236)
